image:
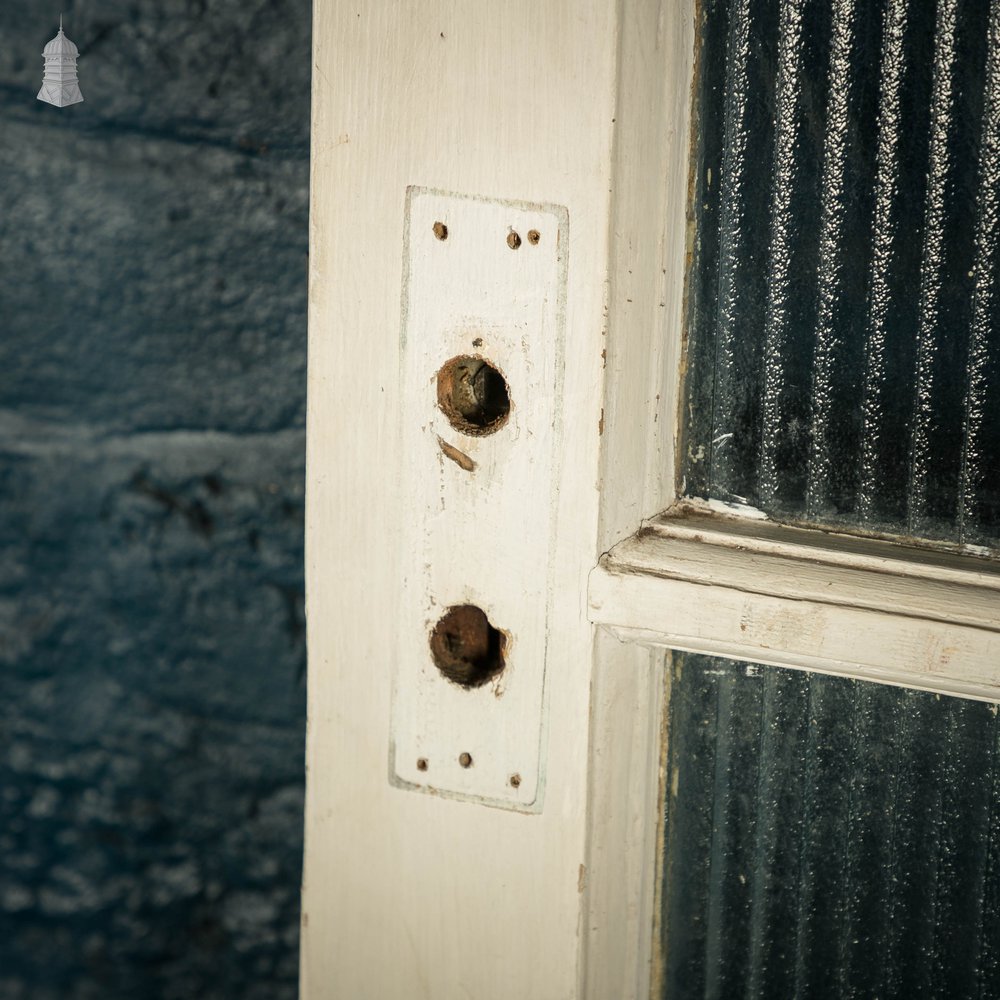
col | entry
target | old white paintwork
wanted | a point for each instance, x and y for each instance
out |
(582, 104)
(415, 896)
(814, 600)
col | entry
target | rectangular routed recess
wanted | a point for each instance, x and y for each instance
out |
(486, 280)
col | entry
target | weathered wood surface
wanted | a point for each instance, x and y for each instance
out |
(408, 895)
(796, 597)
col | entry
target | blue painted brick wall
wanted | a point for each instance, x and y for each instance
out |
(153, 245)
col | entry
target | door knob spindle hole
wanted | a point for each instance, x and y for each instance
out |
(466, 647)
(473, 394)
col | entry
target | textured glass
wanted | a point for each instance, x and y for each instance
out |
(844, 322)
(828, 838)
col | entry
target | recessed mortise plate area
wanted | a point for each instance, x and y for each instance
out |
(484, 290)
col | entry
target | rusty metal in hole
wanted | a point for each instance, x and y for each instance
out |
(473, 394)
(466, 647)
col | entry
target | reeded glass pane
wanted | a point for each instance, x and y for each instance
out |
(828, 838)
(844, 319)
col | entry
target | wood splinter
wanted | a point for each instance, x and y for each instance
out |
(458, 457)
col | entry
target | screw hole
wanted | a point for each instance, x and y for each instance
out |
(515, 781)
(465, 759)
(513, 240)
(466, 648)
(421, 763)
(440, 230)
(534, 236)
(473, 395)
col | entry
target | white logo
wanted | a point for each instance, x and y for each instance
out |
(59, 85)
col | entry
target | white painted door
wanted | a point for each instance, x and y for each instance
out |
(497, 267)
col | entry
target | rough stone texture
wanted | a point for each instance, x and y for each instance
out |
(152, 384)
